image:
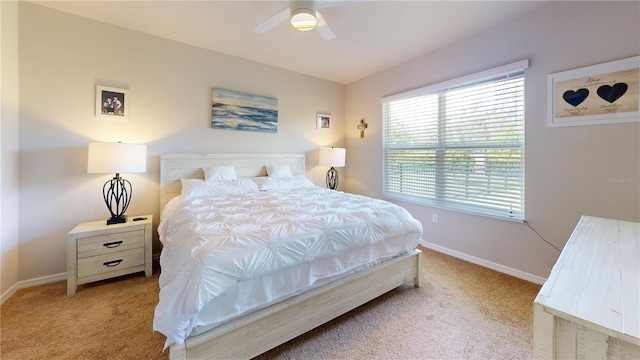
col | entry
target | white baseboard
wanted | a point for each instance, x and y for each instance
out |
(7, 294)
(32, 282)
(472, 259)
(485, 263)
(41, 281)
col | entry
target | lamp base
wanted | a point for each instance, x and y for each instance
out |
(332, 178)
(117, 195)
(117, 220)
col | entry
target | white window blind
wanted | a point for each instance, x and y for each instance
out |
(459, 144)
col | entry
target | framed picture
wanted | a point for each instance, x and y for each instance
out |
(232, 110)
(606, 93)
(323, 121)
(112, 103)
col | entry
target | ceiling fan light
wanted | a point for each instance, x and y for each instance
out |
(303, 19)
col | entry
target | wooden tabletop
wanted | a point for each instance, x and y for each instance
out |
(596, 280)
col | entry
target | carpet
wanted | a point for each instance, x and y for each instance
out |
(462, 311)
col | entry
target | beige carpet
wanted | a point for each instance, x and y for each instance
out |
(463, 311)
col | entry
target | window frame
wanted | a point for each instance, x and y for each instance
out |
(439, 198)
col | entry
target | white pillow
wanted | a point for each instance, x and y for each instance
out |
(196, 188)
(279, 170)
(220, 173)
(266, 183)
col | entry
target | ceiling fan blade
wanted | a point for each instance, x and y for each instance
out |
(323, 28)
(273, 21)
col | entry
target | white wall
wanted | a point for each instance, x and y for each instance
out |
(568, 170)
(63, 57)
(8, 145)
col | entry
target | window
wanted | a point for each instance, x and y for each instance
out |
(459, 144)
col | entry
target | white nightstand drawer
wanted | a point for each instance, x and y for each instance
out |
(107, 244)
(111, 262)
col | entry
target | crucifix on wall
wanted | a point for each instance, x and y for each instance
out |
(361, 126)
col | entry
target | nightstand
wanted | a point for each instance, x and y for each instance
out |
(97, 251)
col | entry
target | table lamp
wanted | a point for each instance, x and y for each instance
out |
(334, 157)
(117, 158)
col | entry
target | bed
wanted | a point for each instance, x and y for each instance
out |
(247, 330)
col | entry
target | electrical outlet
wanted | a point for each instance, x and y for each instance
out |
(434, 218)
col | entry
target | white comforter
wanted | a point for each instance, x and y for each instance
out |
(213, 246)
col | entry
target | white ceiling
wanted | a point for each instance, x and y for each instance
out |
(370, 35)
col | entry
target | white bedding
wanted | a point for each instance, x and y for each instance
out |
(223, 256)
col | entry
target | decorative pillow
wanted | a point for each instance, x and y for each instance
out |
(266, 183)
(279, 171)
(220, 173)
(196, 188)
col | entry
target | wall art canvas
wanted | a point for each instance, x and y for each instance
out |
(601, 94)
(112, 103)
(232, 110)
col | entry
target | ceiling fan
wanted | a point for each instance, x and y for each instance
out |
(304, 16)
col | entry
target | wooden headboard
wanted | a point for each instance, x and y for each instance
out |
(174, 167)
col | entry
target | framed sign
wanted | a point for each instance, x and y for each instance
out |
(606, 93)
(112, 103)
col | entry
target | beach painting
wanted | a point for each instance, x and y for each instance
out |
(232, 110)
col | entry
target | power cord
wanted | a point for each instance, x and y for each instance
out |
(540, 236)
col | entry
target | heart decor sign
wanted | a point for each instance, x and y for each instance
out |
(575, 98)
(612, 93)
(606, 93)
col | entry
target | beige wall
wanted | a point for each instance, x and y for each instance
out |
(63, 57)
(569, 171)
(8, 145)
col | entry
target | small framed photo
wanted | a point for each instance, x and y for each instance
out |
(323, 121)
(606, 93)
(112, 103)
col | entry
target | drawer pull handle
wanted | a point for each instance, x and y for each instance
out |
(111, 245)
(112, 263)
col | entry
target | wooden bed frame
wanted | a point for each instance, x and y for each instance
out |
(258, 331)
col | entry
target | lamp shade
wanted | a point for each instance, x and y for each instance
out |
(105, 158)
(334, 157)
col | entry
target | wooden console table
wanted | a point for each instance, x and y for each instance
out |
(589, 308)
